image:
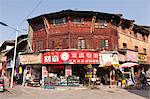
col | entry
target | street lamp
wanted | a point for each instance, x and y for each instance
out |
(14, 57)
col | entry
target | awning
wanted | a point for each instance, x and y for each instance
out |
(109, 64)
(128, 64)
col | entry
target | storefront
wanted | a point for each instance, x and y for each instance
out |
(69, 64)
(143, 61)
(108, 63)
(31, 63)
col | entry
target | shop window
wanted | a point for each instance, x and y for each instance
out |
(81, 43)
(144, 50)
(136, 48)
(103, 44)
(124, 45)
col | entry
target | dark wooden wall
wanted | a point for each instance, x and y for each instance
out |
(66, 35)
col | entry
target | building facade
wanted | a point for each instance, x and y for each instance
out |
(74, 30)
(134, 45)
(63, 35)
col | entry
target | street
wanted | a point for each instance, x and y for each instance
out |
(21, 92)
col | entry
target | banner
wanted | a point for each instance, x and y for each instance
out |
(70, 57)
(30, 59)
(109, 59)
(131, 56)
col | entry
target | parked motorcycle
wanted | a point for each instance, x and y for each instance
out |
(2, 86)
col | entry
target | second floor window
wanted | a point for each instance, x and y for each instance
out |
(81, 43)
(144, 50)
(58, 21)
(135, 35)
(103, 44)
(124, 45)
(38, 26)
(76, 20)
(136, 48)
(102, 21)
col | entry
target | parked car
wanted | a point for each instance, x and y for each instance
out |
(2, 85)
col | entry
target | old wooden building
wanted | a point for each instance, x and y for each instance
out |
(70, 29)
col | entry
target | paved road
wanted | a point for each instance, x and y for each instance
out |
(21, 92)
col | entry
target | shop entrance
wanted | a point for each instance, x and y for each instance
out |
(79, 70)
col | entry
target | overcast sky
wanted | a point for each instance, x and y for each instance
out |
(14, 12)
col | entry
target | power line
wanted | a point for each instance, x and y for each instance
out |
(37, 5)
(40, 2)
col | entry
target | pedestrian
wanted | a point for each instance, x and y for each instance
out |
(27, 78)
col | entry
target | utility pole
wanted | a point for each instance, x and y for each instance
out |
(15, 49)
(14, 58)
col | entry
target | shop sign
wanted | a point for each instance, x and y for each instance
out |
(142, 58)
(30, 59)
(57, 67)
(44, 72)
(68, 70)
(131, 56)
(122, 57)
(109, 59)
(70, 57)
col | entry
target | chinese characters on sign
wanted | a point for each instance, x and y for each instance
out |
(71, 57)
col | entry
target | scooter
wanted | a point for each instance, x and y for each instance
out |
(2, 86)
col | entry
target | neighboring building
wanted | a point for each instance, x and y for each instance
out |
(22, 46)
(134, 42)
(5, 47)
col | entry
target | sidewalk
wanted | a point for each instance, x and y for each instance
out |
(59, 88)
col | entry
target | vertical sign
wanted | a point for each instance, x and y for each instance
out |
(68, 70)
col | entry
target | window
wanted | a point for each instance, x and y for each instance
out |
(103, 44)
(102, 21)
(65, 43)
(58, 21)
(136, 48)
(143, 37)
(76, 20)
(81, 43)
(135, 35)
(144, 50)
(38, 26)
(39, 45)
(124, 45)
(53, 44)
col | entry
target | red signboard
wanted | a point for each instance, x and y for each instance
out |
(70, 57)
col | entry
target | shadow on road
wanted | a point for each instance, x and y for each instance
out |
(141, 92)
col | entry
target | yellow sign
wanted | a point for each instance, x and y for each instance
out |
(142, 58)
(88, 75)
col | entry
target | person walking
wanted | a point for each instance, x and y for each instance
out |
(27, 78)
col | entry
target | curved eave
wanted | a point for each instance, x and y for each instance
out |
(140, 30)
(64, 13)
